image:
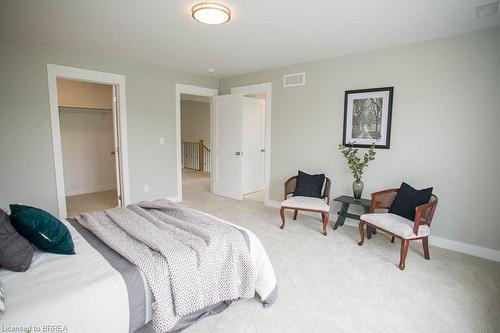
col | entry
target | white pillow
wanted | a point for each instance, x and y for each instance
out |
(2, 299)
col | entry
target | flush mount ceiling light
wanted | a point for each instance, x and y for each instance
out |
(211, 13)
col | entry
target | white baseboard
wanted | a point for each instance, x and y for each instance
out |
(444, 243)
(94, 189)
(466, 248)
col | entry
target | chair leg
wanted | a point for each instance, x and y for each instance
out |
(295, 214)
(392, 239)
(282, 213)
(361, 233)
(404, 251)
(325, 217)
(425, 244)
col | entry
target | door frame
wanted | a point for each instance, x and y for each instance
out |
(190, 90)
(72, 73)
(262, 88)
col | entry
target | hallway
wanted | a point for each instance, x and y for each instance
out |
(196, 186)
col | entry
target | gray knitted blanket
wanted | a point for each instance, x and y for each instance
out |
(190, 260)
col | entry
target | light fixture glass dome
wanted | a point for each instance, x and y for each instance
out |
(211, 13)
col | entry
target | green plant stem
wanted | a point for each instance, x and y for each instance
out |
(355, 163)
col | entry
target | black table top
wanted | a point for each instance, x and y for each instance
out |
(350, 200)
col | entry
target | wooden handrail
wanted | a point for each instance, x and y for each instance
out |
(197, 142)
(199, 155)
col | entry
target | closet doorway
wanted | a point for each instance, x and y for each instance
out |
(86, 120)
(89, 139)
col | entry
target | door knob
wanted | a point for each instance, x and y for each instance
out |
(262, 150)
(238, 153)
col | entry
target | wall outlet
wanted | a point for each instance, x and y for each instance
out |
(146, 188)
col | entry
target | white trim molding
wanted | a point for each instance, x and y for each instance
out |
(100, 188)
(262, 88)
(473, 250)
(190, 90)
(53, 73)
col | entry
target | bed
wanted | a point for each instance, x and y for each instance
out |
(98, 290)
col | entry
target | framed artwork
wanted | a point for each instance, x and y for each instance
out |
(367, 117)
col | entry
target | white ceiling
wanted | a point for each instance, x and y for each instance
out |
(262, 34)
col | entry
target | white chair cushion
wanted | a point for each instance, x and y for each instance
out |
(306, 203)
(396, 224)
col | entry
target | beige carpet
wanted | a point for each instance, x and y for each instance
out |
(257, 196)
(330, 284)
(87, 202)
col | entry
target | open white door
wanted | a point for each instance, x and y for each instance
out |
(226, 121)
(252, 172)
(116, 151)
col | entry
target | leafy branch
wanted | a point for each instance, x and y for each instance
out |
(355, 163)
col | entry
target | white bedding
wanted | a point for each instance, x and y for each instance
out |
(265, 282)
(84, 293)
(81, 292)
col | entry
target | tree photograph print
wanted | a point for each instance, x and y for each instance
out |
(367, 117)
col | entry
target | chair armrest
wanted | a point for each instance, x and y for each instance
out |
(383, 199)
(289, 186)
(326, 193)
(424, 214)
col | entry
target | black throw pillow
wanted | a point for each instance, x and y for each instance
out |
(16, 252)
(309, 185)
(407, 199)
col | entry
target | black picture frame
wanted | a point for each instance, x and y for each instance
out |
(383, 133)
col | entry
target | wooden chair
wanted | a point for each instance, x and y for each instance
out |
(397, 226)
(319, 205)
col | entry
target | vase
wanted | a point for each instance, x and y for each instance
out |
(357, 189)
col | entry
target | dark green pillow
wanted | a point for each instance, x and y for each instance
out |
(42, 229)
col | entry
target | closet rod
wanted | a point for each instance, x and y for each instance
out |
(77, 108)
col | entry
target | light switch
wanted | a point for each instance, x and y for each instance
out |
(162, 140)
(146, 188)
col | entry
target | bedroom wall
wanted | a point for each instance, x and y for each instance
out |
(27, 168)
(195, 121)
(444, 132)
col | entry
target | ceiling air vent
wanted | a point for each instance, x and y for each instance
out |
(294, 80)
